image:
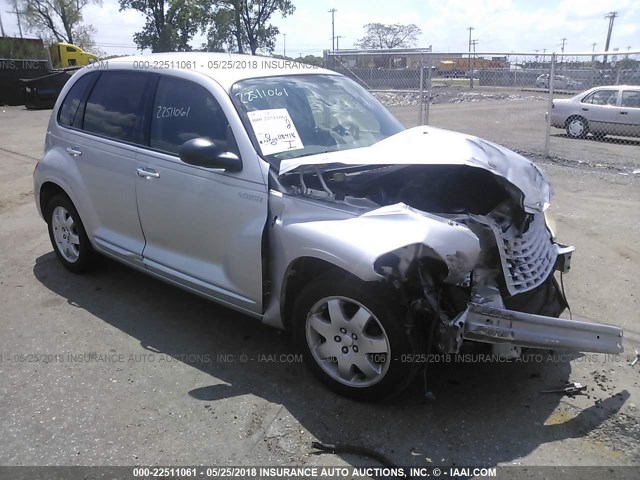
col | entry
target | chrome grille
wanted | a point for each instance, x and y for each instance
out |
(528, 259)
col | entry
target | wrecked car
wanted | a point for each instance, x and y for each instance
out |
(290, 194)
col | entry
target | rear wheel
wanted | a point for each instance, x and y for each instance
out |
(68, 236)
(577, 127)
(353, 338)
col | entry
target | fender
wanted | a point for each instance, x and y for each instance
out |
(355, 242)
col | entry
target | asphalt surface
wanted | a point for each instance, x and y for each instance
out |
(117, 368)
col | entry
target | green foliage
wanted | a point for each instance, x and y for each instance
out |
(58, 21)
(170, 24)
(22, 48)
(241, 25)
(383, 36)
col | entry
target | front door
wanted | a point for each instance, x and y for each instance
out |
(599, 108)
(203, 227)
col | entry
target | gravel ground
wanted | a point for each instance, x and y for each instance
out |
(163, 382)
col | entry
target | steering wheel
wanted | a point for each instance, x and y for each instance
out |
(351, 130)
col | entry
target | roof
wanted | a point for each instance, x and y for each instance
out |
(225, 68)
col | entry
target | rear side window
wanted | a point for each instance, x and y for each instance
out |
(183, 110)
(630, 99)
(115, 106)
(71, 102)
(602, 97)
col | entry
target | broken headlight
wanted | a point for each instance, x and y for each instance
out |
(552, 225)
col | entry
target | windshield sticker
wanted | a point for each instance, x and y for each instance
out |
(250, 95)
(275, 130)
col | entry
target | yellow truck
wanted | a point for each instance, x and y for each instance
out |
(65, 55)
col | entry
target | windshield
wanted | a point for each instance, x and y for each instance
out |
(298, 115)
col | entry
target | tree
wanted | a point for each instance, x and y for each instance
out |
(221, 35)
(170, 24)
(244, 24)
(58, 20)
(380, 36)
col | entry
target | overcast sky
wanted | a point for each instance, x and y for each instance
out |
(499, 25)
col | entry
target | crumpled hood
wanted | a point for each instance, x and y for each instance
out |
(433, 146)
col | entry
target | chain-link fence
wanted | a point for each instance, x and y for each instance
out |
(594, 99)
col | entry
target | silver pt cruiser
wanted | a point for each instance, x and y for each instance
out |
(290, 194)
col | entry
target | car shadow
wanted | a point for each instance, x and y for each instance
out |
(483, 413)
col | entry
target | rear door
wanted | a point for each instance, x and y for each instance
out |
(629, 113)
(203, 227)
(106, 148)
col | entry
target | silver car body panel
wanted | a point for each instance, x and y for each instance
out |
(304, 228)
(433, 146)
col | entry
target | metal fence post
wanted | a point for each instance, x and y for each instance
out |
(429, 67)
(547, 139)
(421, 95)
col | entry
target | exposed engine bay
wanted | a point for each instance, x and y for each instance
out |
(504, 293)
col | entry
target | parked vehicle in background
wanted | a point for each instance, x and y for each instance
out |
(560, 82)
(290, 194)
(609, 110)
(66, 55)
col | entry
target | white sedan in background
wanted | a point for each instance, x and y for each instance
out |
(607, 110)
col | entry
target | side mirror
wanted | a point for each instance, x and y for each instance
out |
(203, 152)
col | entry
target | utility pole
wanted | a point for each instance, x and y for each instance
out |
(1, 26)
(338, 37)
(611, 16)
(333, 28)
(564, 40)
(284, 45)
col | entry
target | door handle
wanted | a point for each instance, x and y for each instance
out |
(585, 109)
(144, 173)
(624, 113)
(74, 151)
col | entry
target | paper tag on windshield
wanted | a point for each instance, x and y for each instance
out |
(275, 130)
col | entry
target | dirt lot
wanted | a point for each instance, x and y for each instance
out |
(116, 368)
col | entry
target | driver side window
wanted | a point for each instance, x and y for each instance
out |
(183, 110)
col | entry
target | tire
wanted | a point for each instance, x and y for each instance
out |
(368, 360)
(68, 236)
(577, 127)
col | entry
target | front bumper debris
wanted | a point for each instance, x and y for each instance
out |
(487, 324)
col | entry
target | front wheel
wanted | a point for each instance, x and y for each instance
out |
(68, 236)
(577, 127)
(353, 338)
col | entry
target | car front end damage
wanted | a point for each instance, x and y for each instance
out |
(456, 225)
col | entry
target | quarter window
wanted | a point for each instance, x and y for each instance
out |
(183, 110)
(602, 97)
(630, 99)
(115, 106)
(71, 102)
